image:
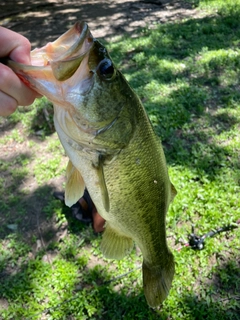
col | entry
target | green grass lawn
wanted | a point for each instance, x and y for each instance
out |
(187, 75)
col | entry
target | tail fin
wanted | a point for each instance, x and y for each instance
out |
(157, 281)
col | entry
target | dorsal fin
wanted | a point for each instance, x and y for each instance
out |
(173, 192)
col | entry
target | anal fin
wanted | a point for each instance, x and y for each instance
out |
(114, 245)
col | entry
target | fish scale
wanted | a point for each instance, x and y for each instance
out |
(112, 149)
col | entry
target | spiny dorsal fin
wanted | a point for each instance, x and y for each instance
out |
(173, 192)
(75, 185)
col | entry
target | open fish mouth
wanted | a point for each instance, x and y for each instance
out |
(59, 60)
(70, 71)
(65, 54)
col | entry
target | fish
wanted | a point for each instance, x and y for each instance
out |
(112, 148)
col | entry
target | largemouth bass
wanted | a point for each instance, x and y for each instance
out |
(112, 149)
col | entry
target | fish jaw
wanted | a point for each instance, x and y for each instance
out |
(54, 65)
(75, 72)
(66, 53)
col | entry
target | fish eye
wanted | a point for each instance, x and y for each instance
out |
(106, 70)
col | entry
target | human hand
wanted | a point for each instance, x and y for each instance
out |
(13, 92)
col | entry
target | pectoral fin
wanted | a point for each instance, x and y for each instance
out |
(102, 184)
(75, 185)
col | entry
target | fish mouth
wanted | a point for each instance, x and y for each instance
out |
(65, 54)
(60, 59)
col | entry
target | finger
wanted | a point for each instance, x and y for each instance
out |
(17, 49)
(12, 86)
(8, 104)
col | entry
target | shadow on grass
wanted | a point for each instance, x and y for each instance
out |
(193, 147)
(27, 209)
(181, 42)
(187, 118)
(94, 293)
(54, 18)
(36, 119)
(219, 297)
(90, 298)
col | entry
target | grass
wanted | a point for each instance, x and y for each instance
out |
(187, 74)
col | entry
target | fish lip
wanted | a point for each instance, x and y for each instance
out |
(70, 43)
(65, 53)
(81, 33)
